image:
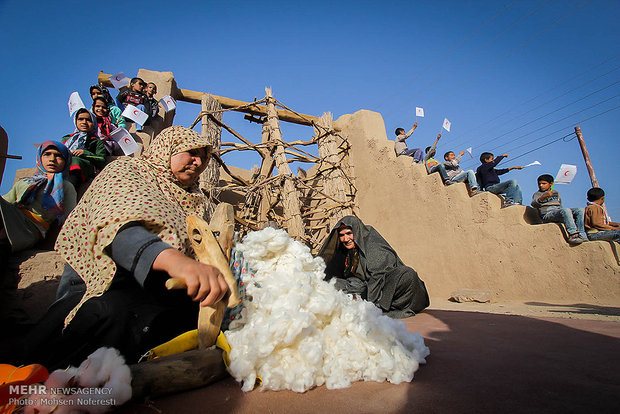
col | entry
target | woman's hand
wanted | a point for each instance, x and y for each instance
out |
(205, 283)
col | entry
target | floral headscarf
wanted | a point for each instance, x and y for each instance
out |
(131, 189)
(53, 192)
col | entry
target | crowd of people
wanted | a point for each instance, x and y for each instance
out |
(591, 223)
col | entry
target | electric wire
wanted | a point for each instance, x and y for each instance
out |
(400, 90)
(476, 74)
(467, 133)
(454, 67)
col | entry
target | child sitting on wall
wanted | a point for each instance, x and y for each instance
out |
(456, 173)
(150, 91)
(488, 179)
(136, 97)
(598, 224)
(400, 147)
(432, 165)
(549, 205)
(34, 203)
(100, 91)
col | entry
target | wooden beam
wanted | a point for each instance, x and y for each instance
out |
(187, 95)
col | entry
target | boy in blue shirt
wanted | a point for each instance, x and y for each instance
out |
(488, 179)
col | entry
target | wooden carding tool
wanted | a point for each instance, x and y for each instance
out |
(209, 251)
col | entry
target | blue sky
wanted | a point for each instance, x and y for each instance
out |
(544, 66)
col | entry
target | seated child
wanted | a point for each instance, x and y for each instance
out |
(150, 91)
(34, 203)
(549, 205)
(432, 165)
(88, 150)
(105, 126)
(456, 173)
(400, 147)
(136, 97)
(598, 224)
(100, 91)
(488, 179)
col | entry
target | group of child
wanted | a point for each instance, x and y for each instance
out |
(593, 223)
(35, 203)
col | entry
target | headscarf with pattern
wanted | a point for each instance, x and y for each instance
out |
(52, 183)
(77, 140)
(129, 190)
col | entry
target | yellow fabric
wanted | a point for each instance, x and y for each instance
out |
(127, 190)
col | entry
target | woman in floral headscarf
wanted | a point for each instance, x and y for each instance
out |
(34, 203)
(88, 150)
(123, 240)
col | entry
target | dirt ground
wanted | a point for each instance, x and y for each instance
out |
(480, 362)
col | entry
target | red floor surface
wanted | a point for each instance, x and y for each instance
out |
(479, 363)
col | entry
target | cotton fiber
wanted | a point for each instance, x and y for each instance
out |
(299, 332)
(101, 383)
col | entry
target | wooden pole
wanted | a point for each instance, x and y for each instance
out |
(213, 132)
(586, 156)
(187, 95)
(289, 196)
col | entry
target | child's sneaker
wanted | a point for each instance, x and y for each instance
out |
(507, 203)
(575, 239)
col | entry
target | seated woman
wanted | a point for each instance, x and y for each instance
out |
(364, 264)
(88, 150)
(34, 203)
(126, 237)
(105, 126)
(100, 91)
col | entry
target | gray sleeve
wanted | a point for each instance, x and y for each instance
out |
(453, 164)
(427, 156)
(135, 249)
(535, 198)
(401, 138)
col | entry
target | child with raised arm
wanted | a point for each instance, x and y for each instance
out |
(488, 179)
(598, 224)
(549, 205)
(456, 173)
(432, 165)
(400, 147)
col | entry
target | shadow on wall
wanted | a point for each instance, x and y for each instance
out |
(487, 363)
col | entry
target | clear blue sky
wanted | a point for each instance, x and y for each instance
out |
(454, 58)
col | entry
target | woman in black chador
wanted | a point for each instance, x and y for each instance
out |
(364, 264)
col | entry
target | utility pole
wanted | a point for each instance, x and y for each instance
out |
(586, 157)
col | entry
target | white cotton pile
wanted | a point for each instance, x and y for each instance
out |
(101, 383)
(299, 332)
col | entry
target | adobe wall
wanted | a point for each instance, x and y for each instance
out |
(457, 242)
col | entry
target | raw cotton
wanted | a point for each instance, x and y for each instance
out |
(299, 332)
(101, 383)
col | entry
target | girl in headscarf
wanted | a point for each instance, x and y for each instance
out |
(34, 203)
(364, 264)
(88, 150)
(123, 240)
(100, 91)
(105, 126)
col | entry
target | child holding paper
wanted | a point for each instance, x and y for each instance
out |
(432, 165)
(488, 179)
(134, 96)
(598, 224)
(456, 173)
(150, 91)
(34, 203)
(549, 205)
(88, 150)
(400, 147)
(105, 126)
(100, 91)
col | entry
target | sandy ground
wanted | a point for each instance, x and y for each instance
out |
(479, 363)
